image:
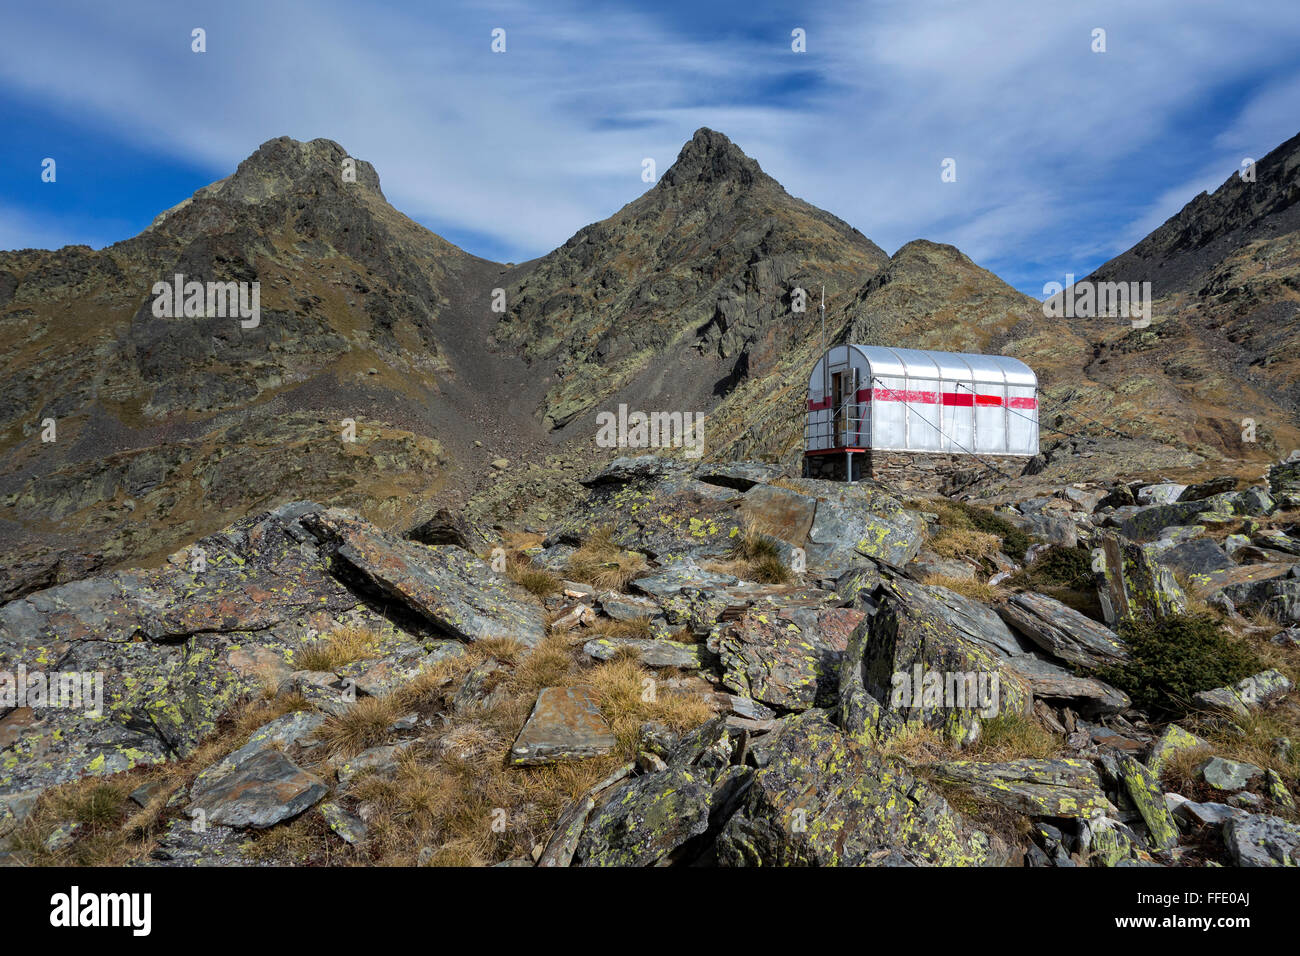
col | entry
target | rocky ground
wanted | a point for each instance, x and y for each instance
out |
(687, 664)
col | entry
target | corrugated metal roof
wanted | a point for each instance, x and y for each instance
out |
(955, 366)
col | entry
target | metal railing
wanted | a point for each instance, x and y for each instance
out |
(849, 435)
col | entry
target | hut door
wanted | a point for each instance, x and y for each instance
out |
(842, 389)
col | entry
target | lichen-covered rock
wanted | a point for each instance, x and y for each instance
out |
(261, 791)
(939, 659)
(1063, 687)
(349, 827)
(656, 507)
(652, 653)
(564, 725)
(1146, 523)
(1106, 842)
(642, 822)
(1172, 740)
(1132, 583)
(1062, 631)
(1047, 788)
(1199, 556)
(447, 585)
(628, 607)
(856, 521)
(677, 577)
(1232, 775)
(1143, 788)
(787, 657)
(1248, 694)
(1277, 790)
(1260, 840)
(825, 800)
(284, 731)
(1278, 597)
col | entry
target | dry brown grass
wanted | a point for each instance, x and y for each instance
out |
(976, 590)
(344, 646)
(536, 581)
(917, 744)
(468, 807)
(115, 831)
(362, 725)
(452, 795)
(603, 564)
(964, 543)
(1014, 737)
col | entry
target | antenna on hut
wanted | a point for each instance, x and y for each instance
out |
(825, 357)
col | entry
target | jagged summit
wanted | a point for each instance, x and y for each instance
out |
(1188, 246)
(710, 157)
(284, 165)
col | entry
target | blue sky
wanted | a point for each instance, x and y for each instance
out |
(1064, 157)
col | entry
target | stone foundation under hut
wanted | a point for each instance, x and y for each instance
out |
(912, 471)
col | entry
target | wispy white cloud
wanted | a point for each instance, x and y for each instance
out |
(1063, 155)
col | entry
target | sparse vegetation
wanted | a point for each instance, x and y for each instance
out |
(1014, 737)
(344, 646)
(967, 587)
(965, 530)
(536, 581)
(757, 557)
(1173, 658)
(603, 564)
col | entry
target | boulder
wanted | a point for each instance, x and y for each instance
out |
(1047, 788)
(1208, 489)
(1143, 788)
(1260, 840)
(949, 646)
(1277, 596)
(644, 821)
(655, 506)
(1195, 557)
(446, 585)
(265, 789)
(1231, 775)
(1251, 693)
(855, 522)
(822, 799)
(788, 658)
(1133, 584)
(1172, 740)
(564, 725)
(1161, 494)
(1062, 631)
(652, 653)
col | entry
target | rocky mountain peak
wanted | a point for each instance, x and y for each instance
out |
(285, 165)
(710, 157)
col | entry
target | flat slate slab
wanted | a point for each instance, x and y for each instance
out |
(1062, 631)
(447, 585)
(564, 725)
(260, 792)
(652, 653)
(1049, 788)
